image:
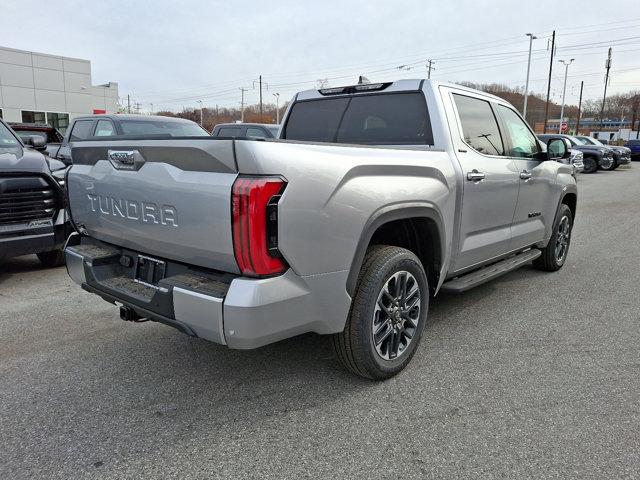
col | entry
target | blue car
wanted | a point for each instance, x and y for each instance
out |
(634, 146)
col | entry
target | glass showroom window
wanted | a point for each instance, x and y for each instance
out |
(33, 117)
(59, 121)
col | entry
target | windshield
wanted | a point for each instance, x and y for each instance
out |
(274, 130)
(590, 141)
(8, 143)
(24, 134)
(159, 127)
(380, 119)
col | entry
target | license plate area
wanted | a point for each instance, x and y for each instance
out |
(149, 271)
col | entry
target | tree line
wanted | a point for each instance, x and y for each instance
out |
(627, 104)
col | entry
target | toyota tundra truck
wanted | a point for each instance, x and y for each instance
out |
(374, 198)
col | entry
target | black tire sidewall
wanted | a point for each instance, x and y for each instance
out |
(367, 297)
(592, 162)
(564, 210)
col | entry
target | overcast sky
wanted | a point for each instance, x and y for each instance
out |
(173, 53)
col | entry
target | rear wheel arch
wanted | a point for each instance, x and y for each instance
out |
(416, 227)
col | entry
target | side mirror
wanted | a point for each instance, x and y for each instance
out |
(36, 141)
(558, 148)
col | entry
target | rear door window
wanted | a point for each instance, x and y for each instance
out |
(378, 119)
(81, 130)
(479, 125)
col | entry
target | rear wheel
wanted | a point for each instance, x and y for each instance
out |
(388, 314)
(51, 259)
(555, 253)
(590, 165)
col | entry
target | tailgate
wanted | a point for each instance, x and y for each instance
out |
(168, 198)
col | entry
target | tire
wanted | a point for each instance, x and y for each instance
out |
(551, 260)
(608, 167)
(590, 165)
(55, 258)
(397, 330)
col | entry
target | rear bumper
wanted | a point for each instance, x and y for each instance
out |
(229, 310)
(25, 239)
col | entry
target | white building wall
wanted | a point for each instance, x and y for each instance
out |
(40, 82)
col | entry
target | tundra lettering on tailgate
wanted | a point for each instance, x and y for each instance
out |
(146, 212)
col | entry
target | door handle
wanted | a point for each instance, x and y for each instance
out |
(525, 175)
(475, 176)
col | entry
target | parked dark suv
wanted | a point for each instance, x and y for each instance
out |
(133, 126)
(32, 214)
(621, 155)
(634, 146)
(594, 156)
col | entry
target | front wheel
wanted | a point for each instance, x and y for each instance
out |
(607, 163)
(590, 165)
(555, 253)
(388, 314)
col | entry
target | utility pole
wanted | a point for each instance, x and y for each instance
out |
(277, 95)
(579, 109)
(634, 111)
(532, 37)
(152, 109)
(429, 68)
(564, 90)
(242, 104)
(607, 66)
(128, 103)
(260, 83)
(546, 108)
(200, 102)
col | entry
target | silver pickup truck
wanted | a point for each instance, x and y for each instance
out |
(375, 198)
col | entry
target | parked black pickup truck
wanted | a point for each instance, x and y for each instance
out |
(32, 213)
(149, 126)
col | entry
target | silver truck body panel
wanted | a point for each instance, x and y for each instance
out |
(333, 194)
(183, 214)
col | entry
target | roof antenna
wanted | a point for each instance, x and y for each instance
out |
(362, 80)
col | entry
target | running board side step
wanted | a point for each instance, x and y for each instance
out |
(477, 277)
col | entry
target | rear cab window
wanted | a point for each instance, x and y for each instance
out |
(365, 119)
(105, 128)
(255, 132)
(229, 132)
(164, 128)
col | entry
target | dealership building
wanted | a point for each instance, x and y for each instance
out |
(43, 88)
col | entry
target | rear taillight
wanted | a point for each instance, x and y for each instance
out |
(255, 225)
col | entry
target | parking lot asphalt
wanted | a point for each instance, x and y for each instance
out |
(535, 375)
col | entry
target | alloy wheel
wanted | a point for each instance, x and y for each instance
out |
(562, 239)
(396, 315)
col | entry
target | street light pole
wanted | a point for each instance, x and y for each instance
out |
(564, 90)
(200, 102)
(532, 37)
(277, 95)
